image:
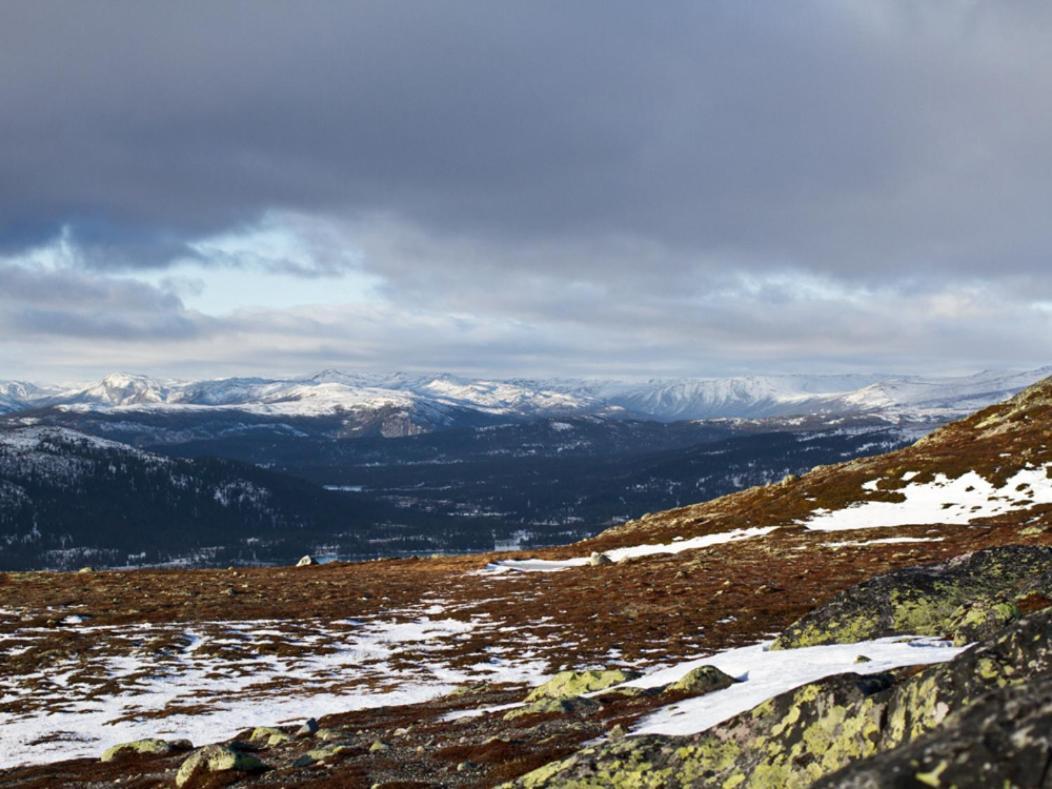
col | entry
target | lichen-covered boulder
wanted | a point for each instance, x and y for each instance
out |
(574, 705)
(977, 621)
(205, 763)
(926, 600)
(150, 746)
(1003, 739)
(575, 683)
(801, 736)
(703, 679)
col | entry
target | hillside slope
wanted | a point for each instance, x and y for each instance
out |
(67, 499)
(418, 670)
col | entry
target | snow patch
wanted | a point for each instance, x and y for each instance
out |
(620, 554)
(765, 673)
(942, 501)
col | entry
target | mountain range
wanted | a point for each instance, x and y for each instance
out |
(880, 622)
(407, 404)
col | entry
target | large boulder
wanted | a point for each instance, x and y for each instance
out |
(813, 731)
(1003, 739)
(929, 600)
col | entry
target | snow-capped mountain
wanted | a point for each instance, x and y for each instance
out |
(425, 402)
(18, 395)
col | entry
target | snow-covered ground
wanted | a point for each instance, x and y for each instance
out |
(942, 501)
(207, 681)
(620, 554)
(765, 673)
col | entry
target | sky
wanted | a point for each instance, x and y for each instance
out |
(596, 188)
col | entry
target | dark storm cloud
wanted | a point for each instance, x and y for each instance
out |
(839, 136)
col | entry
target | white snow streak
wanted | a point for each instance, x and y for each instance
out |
(620, 554)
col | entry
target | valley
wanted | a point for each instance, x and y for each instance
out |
(416, 669)
(351, 467)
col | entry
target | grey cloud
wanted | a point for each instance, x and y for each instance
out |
(38, 302)
(845, 137)
(590, 187)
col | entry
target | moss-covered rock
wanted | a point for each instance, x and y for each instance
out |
(204, 764)
(150, 746)
(317, 755)
(269, 736)
(575, 705)
(929, 600)
(703, 679)
(575, 683)
(818, 729)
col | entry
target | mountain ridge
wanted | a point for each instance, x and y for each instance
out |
(331, 392)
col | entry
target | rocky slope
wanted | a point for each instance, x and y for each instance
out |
(408, 666)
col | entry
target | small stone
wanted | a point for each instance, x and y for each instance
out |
(377, 746)
(465, 766)
(700, 680)
(306, 561)
(617, 732)
(85, 570)
(599, 559)
(309, 727)
(863, 659)
(401, 732)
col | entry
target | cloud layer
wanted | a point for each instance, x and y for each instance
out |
(594, 188)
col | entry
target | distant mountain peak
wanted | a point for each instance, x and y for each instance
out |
(440, 395)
